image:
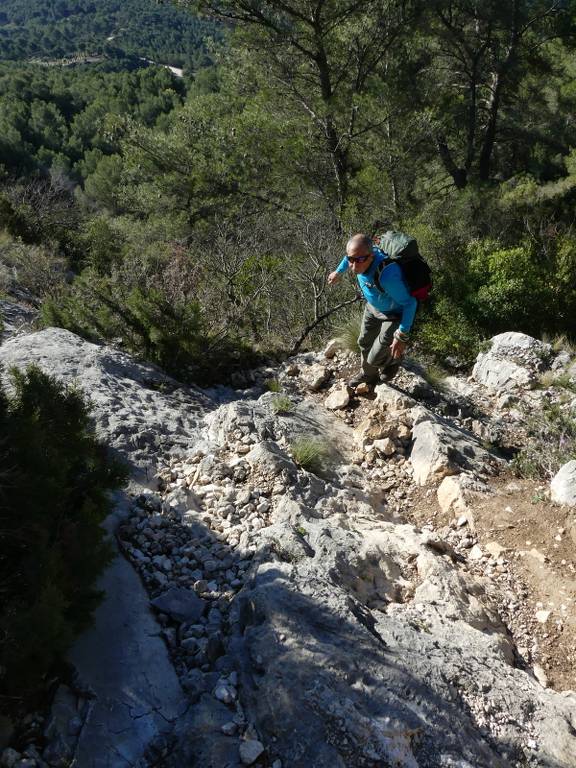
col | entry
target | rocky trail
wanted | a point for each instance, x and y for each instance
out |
(410, 603)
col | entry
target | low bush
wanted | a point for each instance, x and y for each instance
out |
(148, 323)
(551, 443)
(445, 331)
(36, 269)
(53, 496)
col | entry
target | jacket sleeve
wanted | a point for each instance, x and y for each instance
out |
(342, 267)
(394, 285)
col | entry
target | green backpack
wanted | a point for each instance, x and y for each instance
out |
(403, 249)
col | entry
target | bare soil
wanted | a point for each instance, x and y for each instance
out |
(537, 568)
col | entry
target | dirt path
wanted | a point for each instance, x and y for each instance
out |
(527, 548)
(535, 572)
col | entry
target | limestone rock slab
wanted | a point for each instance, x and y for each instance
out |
(139, 411)
(512, 362)
(563, 485)
(439, 450)
(125, 663)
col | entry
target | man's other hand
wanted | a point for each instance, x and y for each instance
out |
(397, 348)
(333, 278)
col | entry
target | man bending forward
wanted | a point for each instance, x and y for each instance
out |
(388, 314)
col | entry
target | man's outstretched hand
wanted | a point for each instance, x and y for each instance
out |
(333, 278)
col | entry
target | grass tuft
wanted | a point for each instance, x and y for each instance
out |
(436, 377)
(282, 404)
(273, 385)
(309, 453)
(553, 379)
(348, 331)
(562, 343)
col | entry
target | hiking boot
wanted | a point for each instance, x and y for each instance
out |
(362, 378)
(390, 372)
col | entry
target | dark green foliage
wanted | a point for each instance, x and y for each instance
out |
(165, 331)
(58, 118)
(53, 496)
(445, 331)
(118, 28)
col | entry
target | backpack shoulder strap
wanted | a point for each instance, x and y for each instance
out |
(386, 261)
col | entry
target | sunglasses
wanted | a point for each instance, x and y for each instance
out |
(357, 259)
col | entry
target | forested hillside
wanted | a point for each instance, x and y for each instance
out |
(184, 216)
(61, 28)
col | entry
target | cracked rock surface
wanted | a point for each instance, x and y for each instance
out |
(139, 411)
(266, 615)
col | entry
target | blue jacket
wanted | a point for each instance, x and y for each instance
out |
(394, 297)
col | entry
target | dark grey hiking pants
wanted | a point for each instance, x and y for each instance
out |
(376, 335)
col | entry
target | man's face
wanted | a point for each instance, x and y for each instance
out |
(360, 257)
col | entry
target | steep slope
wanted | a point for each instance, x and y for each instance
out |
(307, 623)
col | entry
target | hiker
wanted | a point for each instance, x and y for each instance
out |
(388, 314)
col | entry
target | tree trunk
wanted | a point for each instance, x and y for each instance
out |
(459, 175)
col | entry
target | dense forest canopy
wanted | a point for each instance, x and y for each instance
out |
(52, 29)
(184, 208)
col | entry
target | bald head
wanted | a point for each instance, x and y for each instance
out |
(359, 253)
(359, 241)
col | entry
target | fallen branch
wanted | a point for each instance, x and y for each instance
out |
(310, 327)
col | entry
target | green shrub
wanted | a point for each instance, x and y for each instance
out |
(310, 453)
(282, 404)
(551, 443)
(273, 385)
(147, 323)
(53, 496)
(445, 331)
(513, 287)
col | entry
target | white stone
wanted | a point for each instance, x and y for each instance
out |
(225, 693)
(540, 675)
(494, 549)
(385, 446)
(250, 751)
(563, 485)
(537, 555)
(512, 362)
(316, 376)
(451, 495)
(333, 346)
(542, 616)
(337, 399)
(475, 553)
(440, 450)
